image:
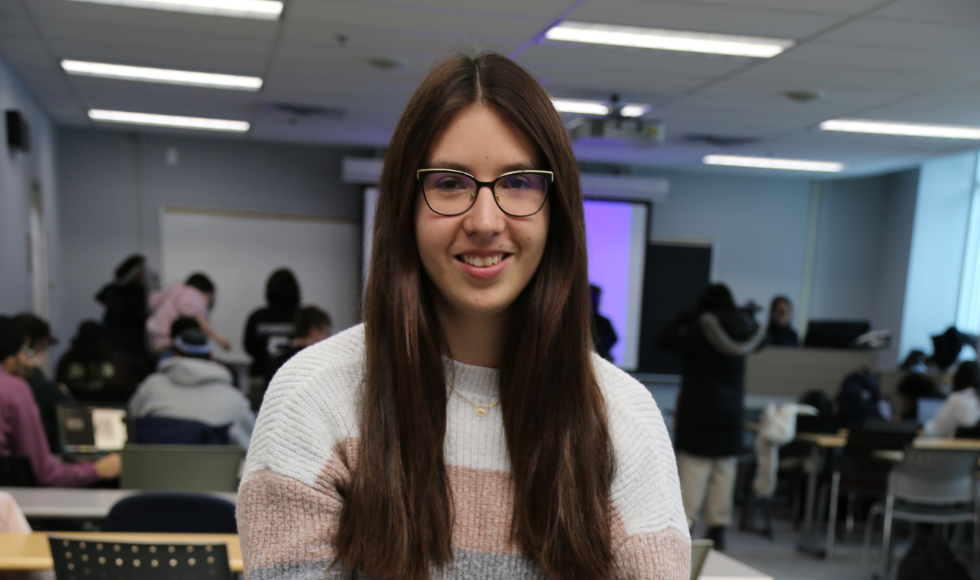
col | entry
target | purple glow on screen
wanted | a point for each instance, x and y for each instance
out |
(608, 229)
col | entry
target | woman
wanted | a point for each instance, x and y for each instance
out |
(466, 428)
(779, 331)
(126, 308)
(708, 420)
(962, 407)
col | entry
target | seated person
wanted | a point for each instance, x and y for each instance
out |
(779, 332)
(91, 371)
(962, 408)
(191, 386)
(47, 393)
(915, 386)
(192, 299)
(21, 430)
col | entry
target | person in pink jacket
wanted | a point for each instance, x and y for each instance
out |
(194, 298)
(21, 431)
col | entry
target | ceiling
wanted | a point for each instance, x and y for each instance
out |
(901, 60)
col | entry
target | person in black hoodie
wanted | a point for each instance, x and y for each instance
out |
(780, 332)
(126, 308)
(714, 340)
(269, 330)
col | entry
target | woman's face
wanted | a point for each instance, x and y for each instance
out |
(480, 261)
(780, 313)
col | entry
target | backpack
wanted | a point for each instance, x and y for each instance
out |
(931, 558)
(857, 400)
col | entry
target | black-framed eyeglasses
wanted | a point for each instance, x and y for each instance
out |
(449, 192)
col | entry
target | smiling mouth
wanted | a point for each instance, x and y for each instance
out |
(482, 262)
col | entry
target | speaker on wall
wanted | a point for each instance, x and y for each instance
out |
(18, 131)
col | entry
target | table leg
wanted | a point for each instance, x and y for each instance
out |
(806, 543)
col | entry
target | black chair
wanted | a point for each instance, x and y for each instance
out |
(172, 512)
(968, 432)
(76, 559)
(859, 472)
(16, 471)
(171, 431)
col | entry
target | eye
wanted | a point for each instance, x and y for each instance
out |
(449, 183)
(518, 181)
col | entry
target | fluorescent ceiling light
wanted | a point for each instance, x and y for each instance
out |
(907, 129)
(660, 39)
(161, 75)
(258, 9)
(168, 121)
(597, 108)
(772, 163)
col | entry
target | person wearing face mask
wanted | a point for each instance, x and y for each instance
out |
(779, 332)
(47, 393)
(467, 428)
(21, 430)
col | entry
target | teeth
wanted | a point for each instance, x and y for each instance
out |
(483, 262)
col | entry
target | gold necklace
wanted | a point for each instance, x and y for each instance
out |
(481, 410)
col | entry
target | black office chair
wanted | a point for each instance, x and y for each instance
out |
(171, 431)
(76, 559)
(172, 512)
(16, 471)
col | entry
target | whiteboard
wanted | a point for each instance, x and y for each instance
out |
(239, 251)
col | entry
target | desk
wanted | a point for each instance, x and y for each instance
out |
(820, 441)
(721, 567)
(33, 552)
(51, 502)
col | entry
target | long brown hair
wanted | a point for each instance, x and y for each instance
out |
(398, 512)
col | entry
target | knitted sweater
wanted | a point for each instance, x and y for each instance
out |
(305, 446)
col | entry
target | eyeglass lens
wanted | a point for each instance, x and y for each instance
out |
(518, 194)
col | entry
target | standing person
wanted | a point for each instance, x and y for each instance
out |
(962, 407)
(126, 308)
(466, 428)
(603, 333)
(21, 430)
(714, 340)
(780, 331)
(47, 393)
(269, 329)
(192, 299)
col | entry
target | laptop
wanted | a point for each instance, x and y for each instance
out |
(182, 467)
(927, 409)
(91, 430)
(699, 554)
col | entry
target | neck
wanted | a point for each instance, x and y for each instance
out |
(477, 341)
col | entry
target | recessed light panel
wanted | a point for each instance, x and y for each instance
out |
(168, 121)
(905, 129)
(161, 75)
(773, 163)
(660, 39)
(257, 9)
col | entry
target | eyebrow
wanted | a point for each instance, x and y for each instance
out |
(440, 164)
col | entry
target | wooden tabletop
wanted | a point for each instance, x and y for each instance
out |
(33, 552)
(55, 502)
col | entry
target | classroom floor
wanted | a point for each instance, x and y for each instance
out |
(781, 560)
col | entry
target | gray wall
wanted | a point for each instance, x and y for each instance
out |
(18, 170)
(115, 183)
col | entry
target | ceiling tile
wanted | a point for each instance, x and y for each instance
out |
(812, 6)
(957, 12)
(906, 35)
(508, 8)
(11, 8)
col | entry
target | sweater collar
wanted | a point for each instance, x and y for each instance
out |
(482, 381)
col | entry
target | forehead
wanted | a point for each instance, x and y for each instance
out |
(478, 139)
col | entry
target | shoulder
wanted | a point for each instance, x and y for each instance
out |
(311, 406)
(628, 402)
(15, 390)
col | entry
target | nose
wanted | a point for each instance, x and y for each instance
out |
(485, 217)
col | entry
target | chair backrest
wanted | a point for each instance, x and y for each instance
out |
(171, 431)
(172, 512)
(76, 559)
(934, 476)
(816, 424)
(968, 432)
(16, 471)
(881, 436)
(181, 467)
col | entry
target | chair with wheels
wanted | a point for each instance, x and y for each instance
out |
(928, 486)
(172, 512)
(77, 559)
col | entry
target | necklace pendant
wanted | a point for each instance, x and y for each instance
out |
(481, 410)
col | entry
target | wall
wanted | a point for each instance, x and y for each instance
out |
(936, 257)
(757, 225)
(115, 183)
(18, 170)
